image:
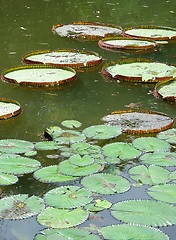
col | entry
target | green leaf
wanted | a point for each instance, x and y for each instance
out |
(98, 205)
(164, 159)
(106, 183)
(77, 160)
(145, 212)
(168, 135)
(71, 123)
(20, 206)
(69, 137)
(7, 179)
(62, 218)
(46, 145)
(53, 132)
(15, 146)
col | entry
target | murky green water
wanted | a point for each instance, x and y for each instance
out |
(26, 26)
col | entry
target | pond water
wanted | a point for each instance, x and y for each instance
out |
(26, 26)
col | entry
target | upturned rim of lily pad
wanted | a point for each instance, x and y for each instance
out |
(12, 113)
(159, 85)
(38, 84)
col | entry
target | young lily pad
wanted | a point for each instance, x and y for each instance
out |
(164, 159)
(152, 175)
(168, 135)
(124, 151)
(106, 183)
(20, 206)
(165, 193)
(39, 75)
(70, 137)
(128, 231)
(87, 30)
(9, 108)
(50, 174)
(98, 205)
(166, 90)
(102, 132)
(7, 179)
(135, 121)
(151, 144)
(67, 168)
(67, 197)
(46, 145)
(53, 132)
(77, 160)
(71, 123)
(139, 70)
(145, 212)
(66, 234)
(62, 218)
(63, 57)
(15, 146)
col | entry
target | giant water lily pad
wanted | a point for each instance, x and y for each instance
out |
(139, 70)
(152, 32)
(15, 146)
(168, 135)
(106, 183)
(166, 90)
(136, 232)
(9, 108)
(7, 179)
(63, 57)
(87, 30)
(134, 121)
(39, 75)
(20, 206)
(68, 197)
(145, 212)
(62, 218)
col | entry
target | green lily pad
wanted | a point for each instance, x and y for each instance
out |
(53, 132)
(20, 206)
(50, 174)
(165, 193)
(62, 218)
(166, 89)
(168, 135)
(151, 144)
(15, 146)
(106, 183)
(77, 160)
(152, 175)
(69, 137)
(71, 123)
(102, 132)
(136, 232)
(145, 212)
(98, 205)
(46, 145)
(84, 148)
(67, 197)
(7, 179)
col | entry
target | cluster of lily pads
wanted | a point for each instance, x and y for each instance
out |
(88, 171)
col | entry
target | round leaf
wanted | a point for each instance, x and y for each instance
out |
(71, 123)
(7, 179)
(15, 146)
(168, 135)
(77, 160)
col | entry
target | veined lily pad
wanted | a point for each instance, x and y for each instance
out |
(68, 197)
(71, 123)
(164, 159)
(20, 206)
(39, 75)
(165, 193)
(77, 160)
(168, 135)
(46, 145)
(106, 183)
(151, 144)
(9, 108)
(102, 132)
(66, 234)
(152, 32)
(135, 121)
(50, 174)
(87, 30)
(139, 70)
(152, 175)
(63, 57)
(145, 212)
(166, 90)
(7, 179)
(70, 137)
(98, 205)
(128, 231)
(15, 146)
(62, 218)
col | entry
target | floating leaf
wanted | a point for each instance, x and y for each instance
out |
(53, 132)
(50, 174)
(98, 205)
(164, 159)
(68, 197)
(71, 123)
(20, 206)
(106, 183)
(7, 179)
(62, 218)
(81, 161)
(102, 132)
(69, 137)
(121, 150)
(15, 146)
(168, 135)
(165, 193)
(145, 212)
(151, 144)
(9, 108)
(152, 175)
(166, 90)
(66, 234)
(136, 232)
(67, 168)
(46, 145)
(137, 121)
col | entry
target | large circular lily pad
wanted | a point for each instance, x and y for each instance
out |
(9, 108)
(39, 75)
(166, 90)
(87, 30)
(134, 121)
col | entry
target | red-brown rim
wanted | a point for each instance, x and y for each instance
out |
(12, 114)
(158, 95)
